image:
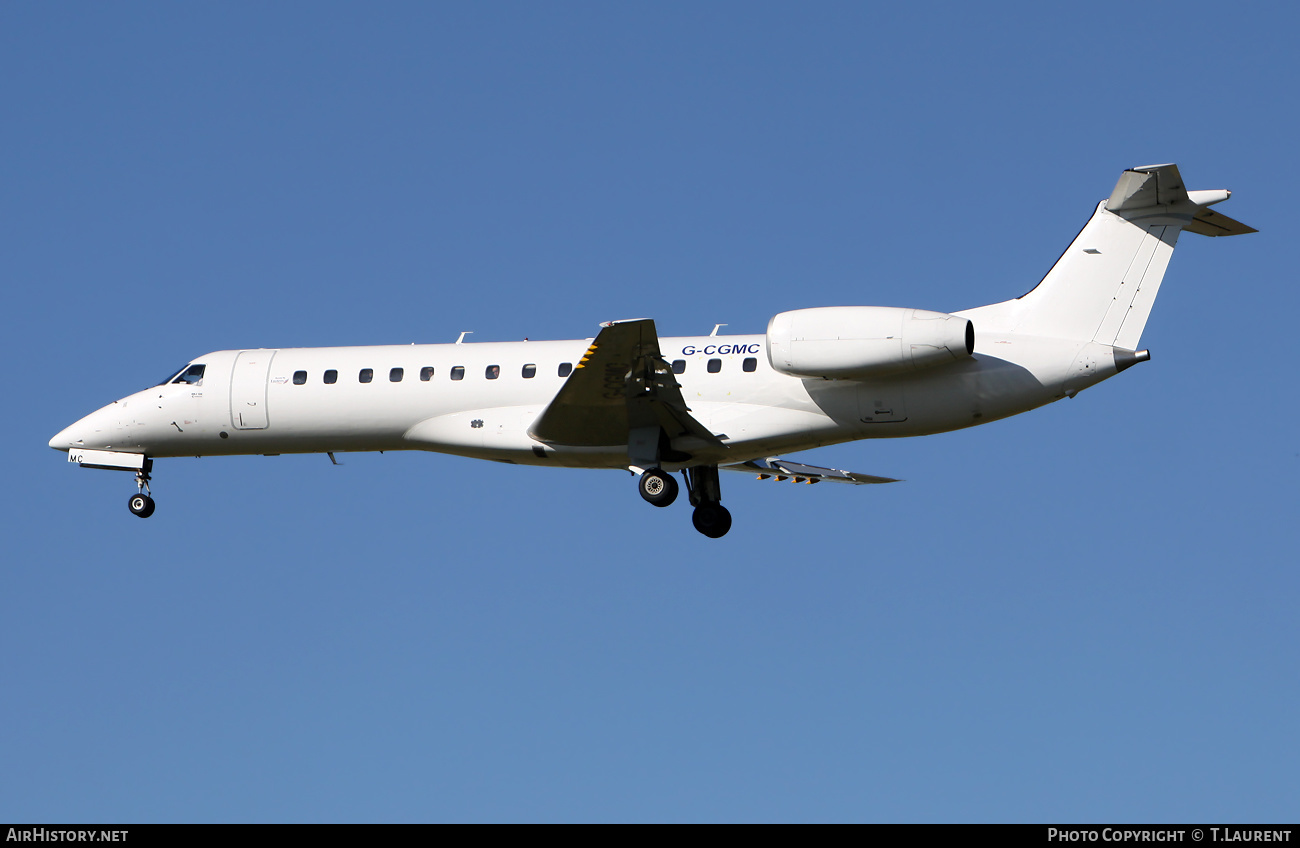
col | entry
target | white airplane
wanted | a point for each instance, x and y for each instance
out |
(628, 399)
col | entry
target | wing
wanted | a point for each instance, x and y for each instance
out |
(783, 469)
(621, 384)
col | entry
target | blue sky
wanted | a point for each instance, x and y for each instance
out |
(1085, 613)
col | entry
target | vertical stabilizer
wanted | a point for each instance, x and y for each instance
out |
(1090, 292)
(1104, 285)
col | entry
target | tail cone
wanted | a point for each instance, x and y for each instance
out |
(1128, 358)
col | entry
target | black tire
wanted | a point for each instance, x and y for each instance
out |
(712, 520)
(657, 488)
(141, 505)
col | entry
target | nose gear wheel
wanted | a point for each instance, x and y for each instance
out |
(141, 505)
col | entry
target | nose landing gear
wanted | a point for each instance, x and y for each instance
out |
(142, 504)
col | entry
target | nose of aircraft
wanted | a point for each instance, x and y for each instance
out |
(60, 440)
(68, 437)
(89, 432)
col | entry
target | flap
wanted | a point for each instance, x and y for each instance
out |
(783, 469)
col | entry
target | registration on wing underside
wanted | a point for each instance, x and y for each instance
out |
(621, 383)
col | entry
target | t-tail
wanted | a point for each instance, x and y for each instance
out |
(1104, 285)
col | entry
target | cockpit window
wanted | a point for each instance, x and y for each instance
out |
(174, 375)
(192, 374)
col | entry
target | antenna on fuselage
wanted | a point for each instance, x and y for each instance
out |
(716, 327)
(462, 336)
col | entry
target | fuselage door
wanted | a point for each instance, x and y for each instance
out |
(248, 386)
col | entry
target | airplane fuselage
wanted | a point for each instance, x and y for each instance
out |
(441, 398)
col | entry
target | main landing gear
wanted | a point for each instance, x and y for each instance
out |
(658, 487)
(141, 504)
(710, 517)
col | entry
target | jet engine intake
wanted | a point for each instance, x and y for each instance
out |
(856, 342)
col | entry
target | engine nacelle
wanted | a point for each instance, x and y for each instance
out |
(854, 342)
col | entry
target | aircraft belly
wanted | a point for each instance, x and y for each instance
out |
(882, 403)
(984, 388)
(743, 423)
(501, 429)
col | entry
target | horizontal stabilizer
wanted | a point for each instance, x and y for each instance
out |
(1210, 223)
(783, 469)
(1161, 185)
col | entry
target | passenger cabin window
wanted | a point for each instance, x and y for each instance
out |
(395, 375)
(458, 373)
(492, 372)
(331, 376)
(715, 365)
(749, 364)
(426, 373)
(679, 366)
(366, 375)
(565, 369)
(530, 371)
(299, 377)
